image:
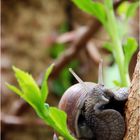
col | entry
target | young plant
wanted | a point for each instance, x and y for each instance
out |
(36, 97)
(116, 29)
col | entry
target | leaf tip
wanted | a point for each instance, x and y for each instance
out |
(52, 65)
(14, 68)
(7, 84)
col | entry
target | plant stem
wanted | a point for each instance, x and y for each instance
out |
(119, 57)
(112, 29)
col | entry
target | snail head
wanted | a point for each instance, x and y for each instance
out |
(97, 96)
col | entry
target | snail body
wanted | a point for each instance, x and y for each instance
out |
(91, 112)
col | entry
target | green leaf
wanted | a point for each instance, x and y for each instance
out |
(60, 119)
(129, 48)
(28, 86)
(132, 9)
(17, 91)
(123, 7)
(14, 89)
(44, 87)
(93, 8)
(56, 118)
(127, 9)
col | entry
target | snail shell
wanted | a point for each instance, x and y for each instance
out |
(72, 102)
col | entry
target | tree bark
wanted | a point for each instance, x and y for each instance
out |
(132, 108)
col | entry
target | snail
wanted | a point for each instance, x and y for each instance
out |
(93, 111)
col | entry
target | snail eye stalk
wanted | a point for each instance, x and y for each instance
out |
(79, 80)
(100, 73)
